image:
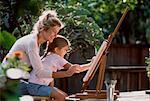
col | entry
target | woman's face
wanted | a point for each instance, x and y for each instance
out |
(62, 51)
(51, 33)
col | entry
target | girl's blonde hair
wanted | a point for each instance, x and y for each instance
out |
(46, 20)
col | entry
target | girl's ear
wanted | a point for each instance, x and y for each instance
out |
(56, 49)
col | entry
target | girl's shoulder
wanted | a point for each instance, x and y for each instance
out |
(53, 56)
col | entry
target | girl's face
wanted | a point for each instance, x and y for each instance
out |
(62, 51)
(51, 33)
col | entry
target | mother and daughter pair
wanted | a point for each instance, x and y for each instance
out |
(44, 69)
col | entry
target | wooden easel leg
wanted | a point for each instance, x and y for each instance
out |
(101, 74)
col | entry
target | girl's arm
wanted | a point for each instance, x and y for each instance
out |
(67, 66)
(68, 73)
(60, 74)
(84, 67)
(79, 68)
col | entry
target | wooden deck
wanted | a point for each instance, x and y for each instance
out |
(128, 96)
(134, 96)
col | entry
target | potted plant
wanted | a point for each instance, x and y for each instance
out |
(10, 73)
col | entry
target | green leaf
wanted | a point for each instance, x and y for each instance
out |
(7, 39)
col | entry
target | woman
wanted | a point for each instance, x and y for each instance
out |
(45, 29)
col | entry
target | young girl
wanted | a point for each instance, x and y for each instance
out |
(54, 60)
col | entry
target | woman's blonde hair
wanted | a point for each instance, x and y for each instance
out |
(46, 20)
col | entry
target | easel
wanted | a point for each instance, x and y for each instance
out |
(99, 62)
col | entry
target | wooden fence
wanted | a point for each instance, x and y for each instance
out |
(127, 54)
(119, 55)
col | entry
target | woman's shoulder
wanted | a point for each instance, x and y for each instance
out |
(22, 42)
(29, 42)
(27, 38)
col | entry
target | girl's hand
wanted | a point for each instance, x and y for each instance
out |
(72, 70)
(78, 68)
(93, 58)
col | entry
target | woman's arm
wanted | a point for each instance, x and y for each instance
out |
(37, 65)
(35, 60)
